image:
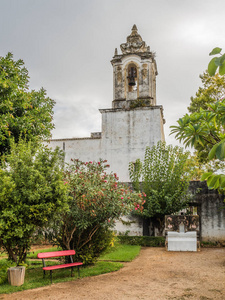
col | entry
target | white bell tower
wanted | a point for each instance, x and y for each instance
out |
(134, 74)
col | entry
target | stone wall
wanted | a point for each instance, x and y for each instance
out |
(211, 210)
(86, 149)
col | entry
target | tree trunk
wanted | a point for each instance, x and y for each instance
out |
(146, 224)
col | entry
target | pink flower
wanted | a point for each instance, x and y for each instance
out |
(105, 180)
(90, 162)
(121, 198)
(135, 208)
(99, 163)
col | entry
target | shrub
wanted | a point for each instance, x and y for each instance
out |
(31, 192)
(96, 200)
(145, 241)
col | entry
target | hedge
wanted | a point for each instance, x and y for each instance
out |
(145, 241)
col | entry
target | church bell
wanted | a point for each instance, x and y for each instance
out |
(131, 77)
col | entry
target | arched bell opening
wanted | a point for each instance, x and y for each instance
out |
(132, 77)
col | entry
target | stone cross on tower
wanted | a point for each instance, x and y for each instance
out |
(134, 74)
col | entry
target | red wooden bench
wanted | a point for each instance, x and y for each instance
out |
(69, 253)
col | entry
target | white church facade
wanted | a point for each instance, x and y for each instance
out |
(133, 122)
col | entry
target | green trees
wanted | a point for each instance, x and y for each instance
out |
(213, 90)
(31, 182)
(217, 63)
(22, 112)
(96, 200)
(204, 128)
(32, 191)
(163, 178)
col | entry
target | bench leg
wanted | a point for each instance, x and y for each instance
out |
(51, 275)
(71, 271)
(44, 274)
(78, 271)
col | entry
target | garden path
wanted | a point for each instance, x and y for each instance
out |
(154, 275)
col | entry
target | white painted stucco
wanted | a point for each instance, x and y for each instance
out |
(124, 138)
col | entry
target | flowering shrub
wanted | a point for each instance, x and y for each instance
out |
(96, 199)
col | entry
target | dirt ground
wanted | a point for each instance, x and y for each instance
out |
(155, 274)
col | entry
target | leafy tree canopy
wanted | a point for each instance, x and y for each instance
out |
(213, 90)
(202, 130)
(22, 112)
(163, 177)
(32, 191)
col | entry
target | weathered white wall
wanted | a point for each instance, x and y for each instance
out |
(210, 208)
(124, 138)
(212, 218)
(86, 149)
(130, 225)
(127, 133)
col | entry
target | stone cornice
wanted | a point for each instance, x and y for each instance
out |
(105, 110)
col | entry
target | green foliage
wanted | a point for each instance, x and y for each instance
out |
(217, 62)
(196, 168)
(202, 130)
(212, 244)
(144, 241)
(22, 112)
(213, 90)
(139, 103)
(96, 200)
(31, 192)
(163, 179)
(214, 181)
(99, 242)
(218, 150)
(4, 265)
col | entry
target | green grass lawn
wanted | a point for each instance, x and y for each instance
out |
(110, 261)
(122, 253)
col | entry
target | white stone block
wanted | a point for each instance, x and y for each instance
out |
(182, 241)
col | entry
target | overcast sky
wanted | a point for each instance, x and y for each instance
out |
(67, 46)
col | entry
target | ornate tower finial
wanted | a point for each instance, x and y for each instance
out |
(134, 29)
(116, 52)
(134, 43)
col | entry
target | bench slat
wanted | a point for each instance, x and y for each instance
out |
(62, 266)
(55, 254)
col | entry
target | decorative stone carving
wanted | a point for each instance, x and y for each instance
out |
(144, 71)
(190, 222)
(134, 43)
